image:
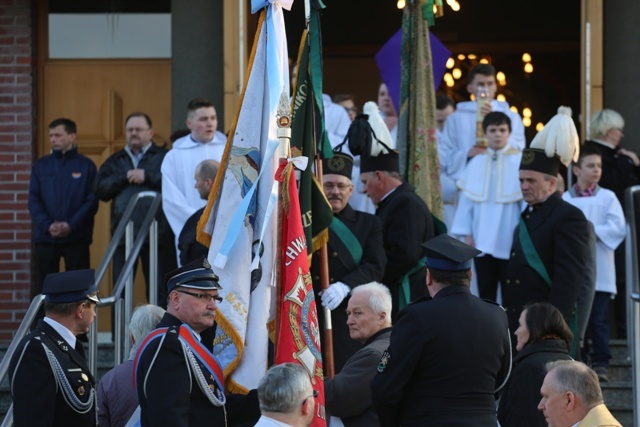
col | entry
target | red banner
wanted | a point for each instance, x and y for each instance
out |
(298, 338)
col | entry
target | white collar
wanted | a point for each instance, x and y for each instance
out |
(606, 144)
(65, 333)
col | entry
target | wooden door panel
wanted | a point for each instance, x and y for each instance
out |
(98, 95)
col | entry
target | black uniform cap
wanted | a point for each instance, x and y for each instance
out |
(70, 286)
(196, 274)
(339, 164)
(446, 253)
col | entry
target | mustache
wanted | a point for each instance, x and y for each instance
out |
(209, 314)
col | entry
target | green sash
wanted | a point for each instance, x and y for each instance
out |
(405, 284)
(350, 241)
(534, 261)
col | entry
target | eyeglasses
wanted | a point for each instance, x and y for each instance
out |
(136, 130)
(341, 186)
(203, 297)
(314, 395)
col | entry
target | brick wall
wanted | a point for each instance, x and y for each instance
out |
(17, 112)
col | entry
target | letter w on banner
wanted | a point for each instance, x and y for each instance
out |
(237, 223)
(298, 335)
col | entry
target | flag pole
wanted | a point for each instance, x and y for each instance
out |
(329, 365)
(283, 120)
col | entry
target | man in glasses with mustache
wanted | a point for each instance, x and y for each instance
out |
(355, 249)
(178, 380)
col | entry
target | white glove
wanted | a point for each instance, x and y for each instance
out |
(334, 294)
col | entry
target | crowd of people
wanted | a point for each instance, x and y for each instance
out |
(552, 260)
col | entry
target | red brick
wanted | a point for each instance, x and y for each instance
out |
(17, 109)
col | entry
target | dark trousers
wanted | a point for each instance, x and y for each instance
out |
(599, 330)
(620, 301)
(490, 271)
(48, 255)
(166, 262)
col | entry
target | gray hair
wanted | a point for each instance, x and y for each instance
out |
(144, 319)
(379, 297)
(283, 388)
(604, 120)
(577, 378)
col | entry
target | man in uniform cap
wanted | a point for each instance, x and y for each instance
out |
(449, 354)
(406, 223)
(179, 383)
(50, 381)
(356, 253)
(551, 243)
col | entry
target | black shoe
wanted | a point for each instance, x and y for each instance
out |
(602, 373)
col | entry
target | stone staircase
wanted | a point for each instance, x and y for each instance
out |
(618, 394)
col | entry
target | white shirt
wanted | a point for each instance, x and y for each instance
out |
(180, 199)
(605, 213)
(265, 421)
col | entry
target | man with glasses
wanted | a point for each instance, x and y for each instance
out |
(356, 253)
(286, 397)
(178, 380)
(134, 169)
(51, 383)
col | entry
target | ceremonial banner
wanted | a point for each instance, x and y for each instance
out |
(298, 335)
(316, 210)
(417, 140)
(238, 221)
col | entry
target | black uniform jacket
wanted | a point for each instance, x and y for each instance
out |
(37, 398)
(171, 395)
(520, 398)
(406, 224)
(342, 268)
(446, 358)
(559, 233)
(348, 394)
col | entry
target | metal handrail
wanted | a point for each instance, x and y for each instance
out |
(125, 282)
(633, 294)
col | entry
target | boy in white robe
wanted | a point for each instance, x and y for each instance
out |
(490, 204)
(601, 207)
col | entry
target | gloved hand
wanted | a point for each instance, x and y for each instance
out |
(334, 294)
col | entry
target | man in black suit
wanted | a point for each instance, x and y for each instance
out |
(178, 381)
(356, 254)
(550, 245)
(449, 354)
(406, 224)
(50, 381)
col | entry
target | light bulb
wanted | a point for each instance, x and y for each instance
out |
(457, 73)
(526, 57)
(450, 63)
(526, 121)
(526, 112)
(539, 126)
(501, 97)
(528, 68)
(401, 4)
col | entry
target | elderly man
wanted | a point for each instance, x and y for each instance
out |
(179, 199)
(286, 397)
(348, 394)
(448, 355)
(356, 253)
(406, 224)
(178, 381)
(51, 383)
(132, 170)
(571, 396)
(190, 249)
(551, 243)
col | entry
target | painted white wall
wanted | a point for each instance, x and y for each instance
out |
(130, 35)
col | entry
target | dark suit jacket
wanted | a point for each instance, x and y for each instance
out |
(172, 396)
(190, 249)
(37, 399)
(406, 224)
(342, 268)
(348, 394)
(446, 358)
(559, 233)
(618, 171)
